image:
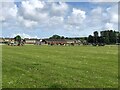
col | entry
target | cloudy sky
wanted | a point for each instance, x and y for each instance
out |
(40, 19)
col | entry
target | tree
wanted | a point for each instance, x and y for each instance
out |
(96, 37)
(18, 39)
(85, 38)
(112, 37)
(66, 38)
(100, 40)
(118, 38)
(96, 34)
(62, 37)
(55, 37)
(90, 39)
(105, 35)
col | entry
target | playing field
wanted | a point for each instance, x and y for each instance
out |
(33, 66)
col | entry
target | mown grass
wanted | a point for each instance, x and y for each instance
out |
(33, 66)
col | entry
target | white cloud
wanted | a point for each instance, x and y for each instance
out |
(95, 18)
(8, 11)
(113, 13)
(26, 23)
(112, 17)
(33, 10)
(7, 0)
(97, 11)
(23, 35)
(31, 5)
(77, 17)
(34, 15)
(96, 15)
(47, 15)
(2, 18)
(103, 0)
(109, 26)
(75, 21)
(56, 21)
(59, 9)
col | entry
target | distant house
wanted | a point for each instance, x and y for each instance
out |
(70, 41)
(30, 41)
(73, 42)
(84, 42)
(78, 42)
(8, 40)
(55, 41)
(2, 40)
(11, 41)
(60, 41)
(38, 42)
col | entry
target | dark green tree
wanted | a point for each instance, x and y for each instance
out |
(18, 39)
(118, 38)
(105, 35)
(55, 37)
(100, 39)
(90, 39)
(112, 37)
(62, 37)
(66, 38)
(95, 37)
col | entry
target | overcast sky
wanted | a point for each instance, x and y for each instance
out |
(40, 19)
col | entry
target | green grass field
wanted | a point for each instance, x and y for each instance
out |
(33, 66)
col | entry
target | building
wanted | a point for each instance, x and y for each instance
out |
(11, 41)
(54, 41)
(39, 42)
(60, 41)
(30, 41)
(2, 40)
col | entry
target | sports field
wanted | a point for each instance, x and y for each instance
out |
(33, 66)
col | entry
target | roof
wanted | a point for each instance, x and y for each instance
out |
(60, 40)
(31, 39)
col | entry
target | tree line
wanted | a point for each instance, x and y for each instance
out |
(106, 37)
